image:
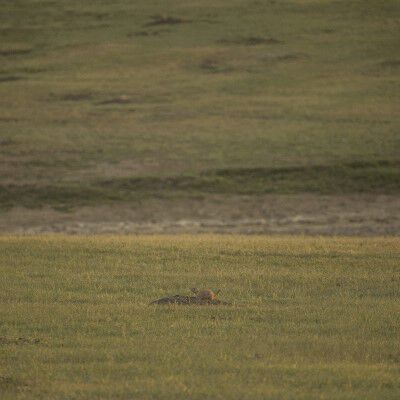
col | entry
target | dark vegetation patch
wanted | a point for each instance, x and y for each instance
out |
(390, 64)
(14, 52)
(354, 177)
(18, 340)
(284, 57)
(18, 31)
(32, 70)
(250, 41)
(7, 141)
(156, 20)
(123, 99)
(8, 383)
(144, 33)
(10, 78)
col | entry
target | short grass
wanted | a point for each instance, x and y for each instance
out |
(123, 89)
(311, 318)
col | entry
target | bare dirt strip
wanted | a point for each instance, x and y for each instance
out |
(361, 214)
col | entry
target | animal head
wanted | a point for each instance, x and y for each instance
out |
(205, 293)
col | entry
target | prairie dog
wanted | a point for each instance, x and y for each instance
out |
(205, 294)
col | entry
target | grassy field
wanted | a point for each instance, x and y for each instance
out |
(224, 115)
(214, 93)
(311, 318)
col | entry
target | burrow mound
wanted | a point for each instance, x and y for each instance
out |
(188, 300)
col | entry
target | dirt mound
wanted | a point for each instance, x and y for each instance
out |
(188, 300)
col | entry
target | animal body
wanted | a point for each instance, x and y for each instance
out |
(205, 294)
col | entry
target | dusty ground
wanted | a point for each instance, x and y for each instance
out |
(309, 214)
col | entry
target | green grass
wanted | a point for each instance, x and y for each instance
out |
(311, 318)
(111, 90)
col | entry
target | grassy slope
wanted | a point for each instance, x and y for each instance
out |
(108, 90)
(348, 178)
(311, 318)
